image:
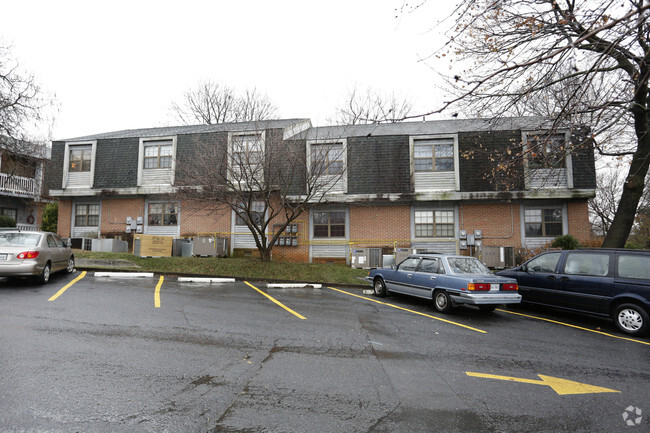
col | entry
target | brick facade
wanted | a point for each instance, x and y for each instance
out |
(380, 194)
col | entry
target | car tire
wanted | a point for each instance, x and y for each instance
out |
(442, 301)
(631, 319)
(70, 266)
(487, 308)
(44, 278)
(379, 287)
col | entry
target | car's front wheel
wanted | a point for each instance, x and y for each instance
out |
(45, 275)
(379, 287)
(442, 301)
(631, 319)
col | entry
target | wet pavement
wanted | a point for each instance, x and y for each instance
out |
(152, 355)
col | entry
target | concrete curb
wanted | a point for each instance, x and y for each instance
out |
(293, 285)
(205, 280)
(124, 274)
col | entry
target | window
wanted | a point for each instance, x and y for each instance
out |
(429, 224)
(546, 151)
(433, 155)
(86, 215)
(80, 158)
(329, 224)
(158, 154)
(543, 222)
(247, 150)
(634, 266)
(162, 214)
(587, 264)
(431, 266)
(544, 263)
(11, 213)
(257, 214)
(327, 159)
(409, 264)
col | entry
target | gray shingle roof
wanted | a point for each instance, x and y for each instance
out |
(430, 127)
(192, 129)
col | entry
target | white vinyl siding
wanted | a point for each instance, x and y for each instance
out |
(434, 163)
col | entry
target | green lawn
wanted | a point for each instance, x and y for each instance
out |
(250, 268)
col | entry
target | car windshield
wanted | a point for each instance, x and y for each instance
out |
(19, 239)
(467, 265)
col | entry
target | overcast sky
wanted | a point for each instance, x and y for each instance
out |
(119, 64)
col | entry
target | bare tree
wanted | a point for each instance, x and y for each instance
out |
(211, 103)
(268, 182)
(507, 51)
(370, 106)
(21, 103)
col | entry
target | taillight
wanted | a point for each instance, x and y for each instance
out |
(478, 286)
(510, 286)
(28, 255)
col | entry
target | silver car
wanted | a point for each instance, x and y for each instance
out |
(32, 253)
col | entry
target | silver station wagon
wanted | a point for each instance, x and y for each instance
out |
(449, 280)
(35, 254)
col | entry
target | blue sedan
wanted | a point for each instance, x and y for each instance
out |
(447, 279)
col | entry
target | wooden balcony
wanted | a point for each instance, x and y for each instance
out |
(18, 185)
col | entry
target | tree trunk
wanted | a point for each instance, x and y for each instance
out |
(633, 188)
(265, 254)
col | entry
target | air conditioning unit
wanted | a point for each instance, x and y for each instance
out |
(366, 258)
(498, 257)
(210, 246)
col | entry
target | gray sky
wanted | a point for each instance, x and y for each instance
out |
(119, 64)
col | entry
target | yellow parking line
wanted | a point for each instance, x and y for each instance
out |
(156, 296)
(574, 326)
(276, 301)
(410, 311)
(67, 286)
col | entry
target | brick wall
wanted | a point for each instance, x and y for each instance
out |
(579, 225)
(204, 218)
(499, 222)
(64, 218)
(114, 212)
(380, 226)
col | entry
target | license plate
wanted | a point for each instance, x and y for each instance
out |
(495, 287)
(3, 257)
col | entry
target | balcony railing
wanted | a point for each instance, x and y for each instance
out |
(17, 184)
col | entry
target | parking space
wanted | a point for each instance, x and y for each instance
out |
(203, 356)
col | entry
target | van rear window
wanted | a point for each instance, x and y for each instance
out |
(634, 266)
(587, 264)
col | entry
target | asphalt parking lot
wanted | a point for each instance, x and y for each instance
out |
(100, 354)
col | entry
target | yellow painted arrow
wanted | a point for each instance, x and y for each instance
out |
(561, 386)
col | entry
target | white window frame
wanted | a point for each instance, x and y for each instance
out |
(433, 211)
(568, 163)
(532, 206)
(413, 140)
(66, 161)
(342, 177)
(231, 135)
(141, 169)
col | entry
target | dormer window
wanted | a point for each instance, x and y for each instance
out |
(80, 158)
(158, 154)
(157, 160)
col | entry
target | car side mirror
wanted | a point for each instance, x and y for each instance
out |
(524, 268)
